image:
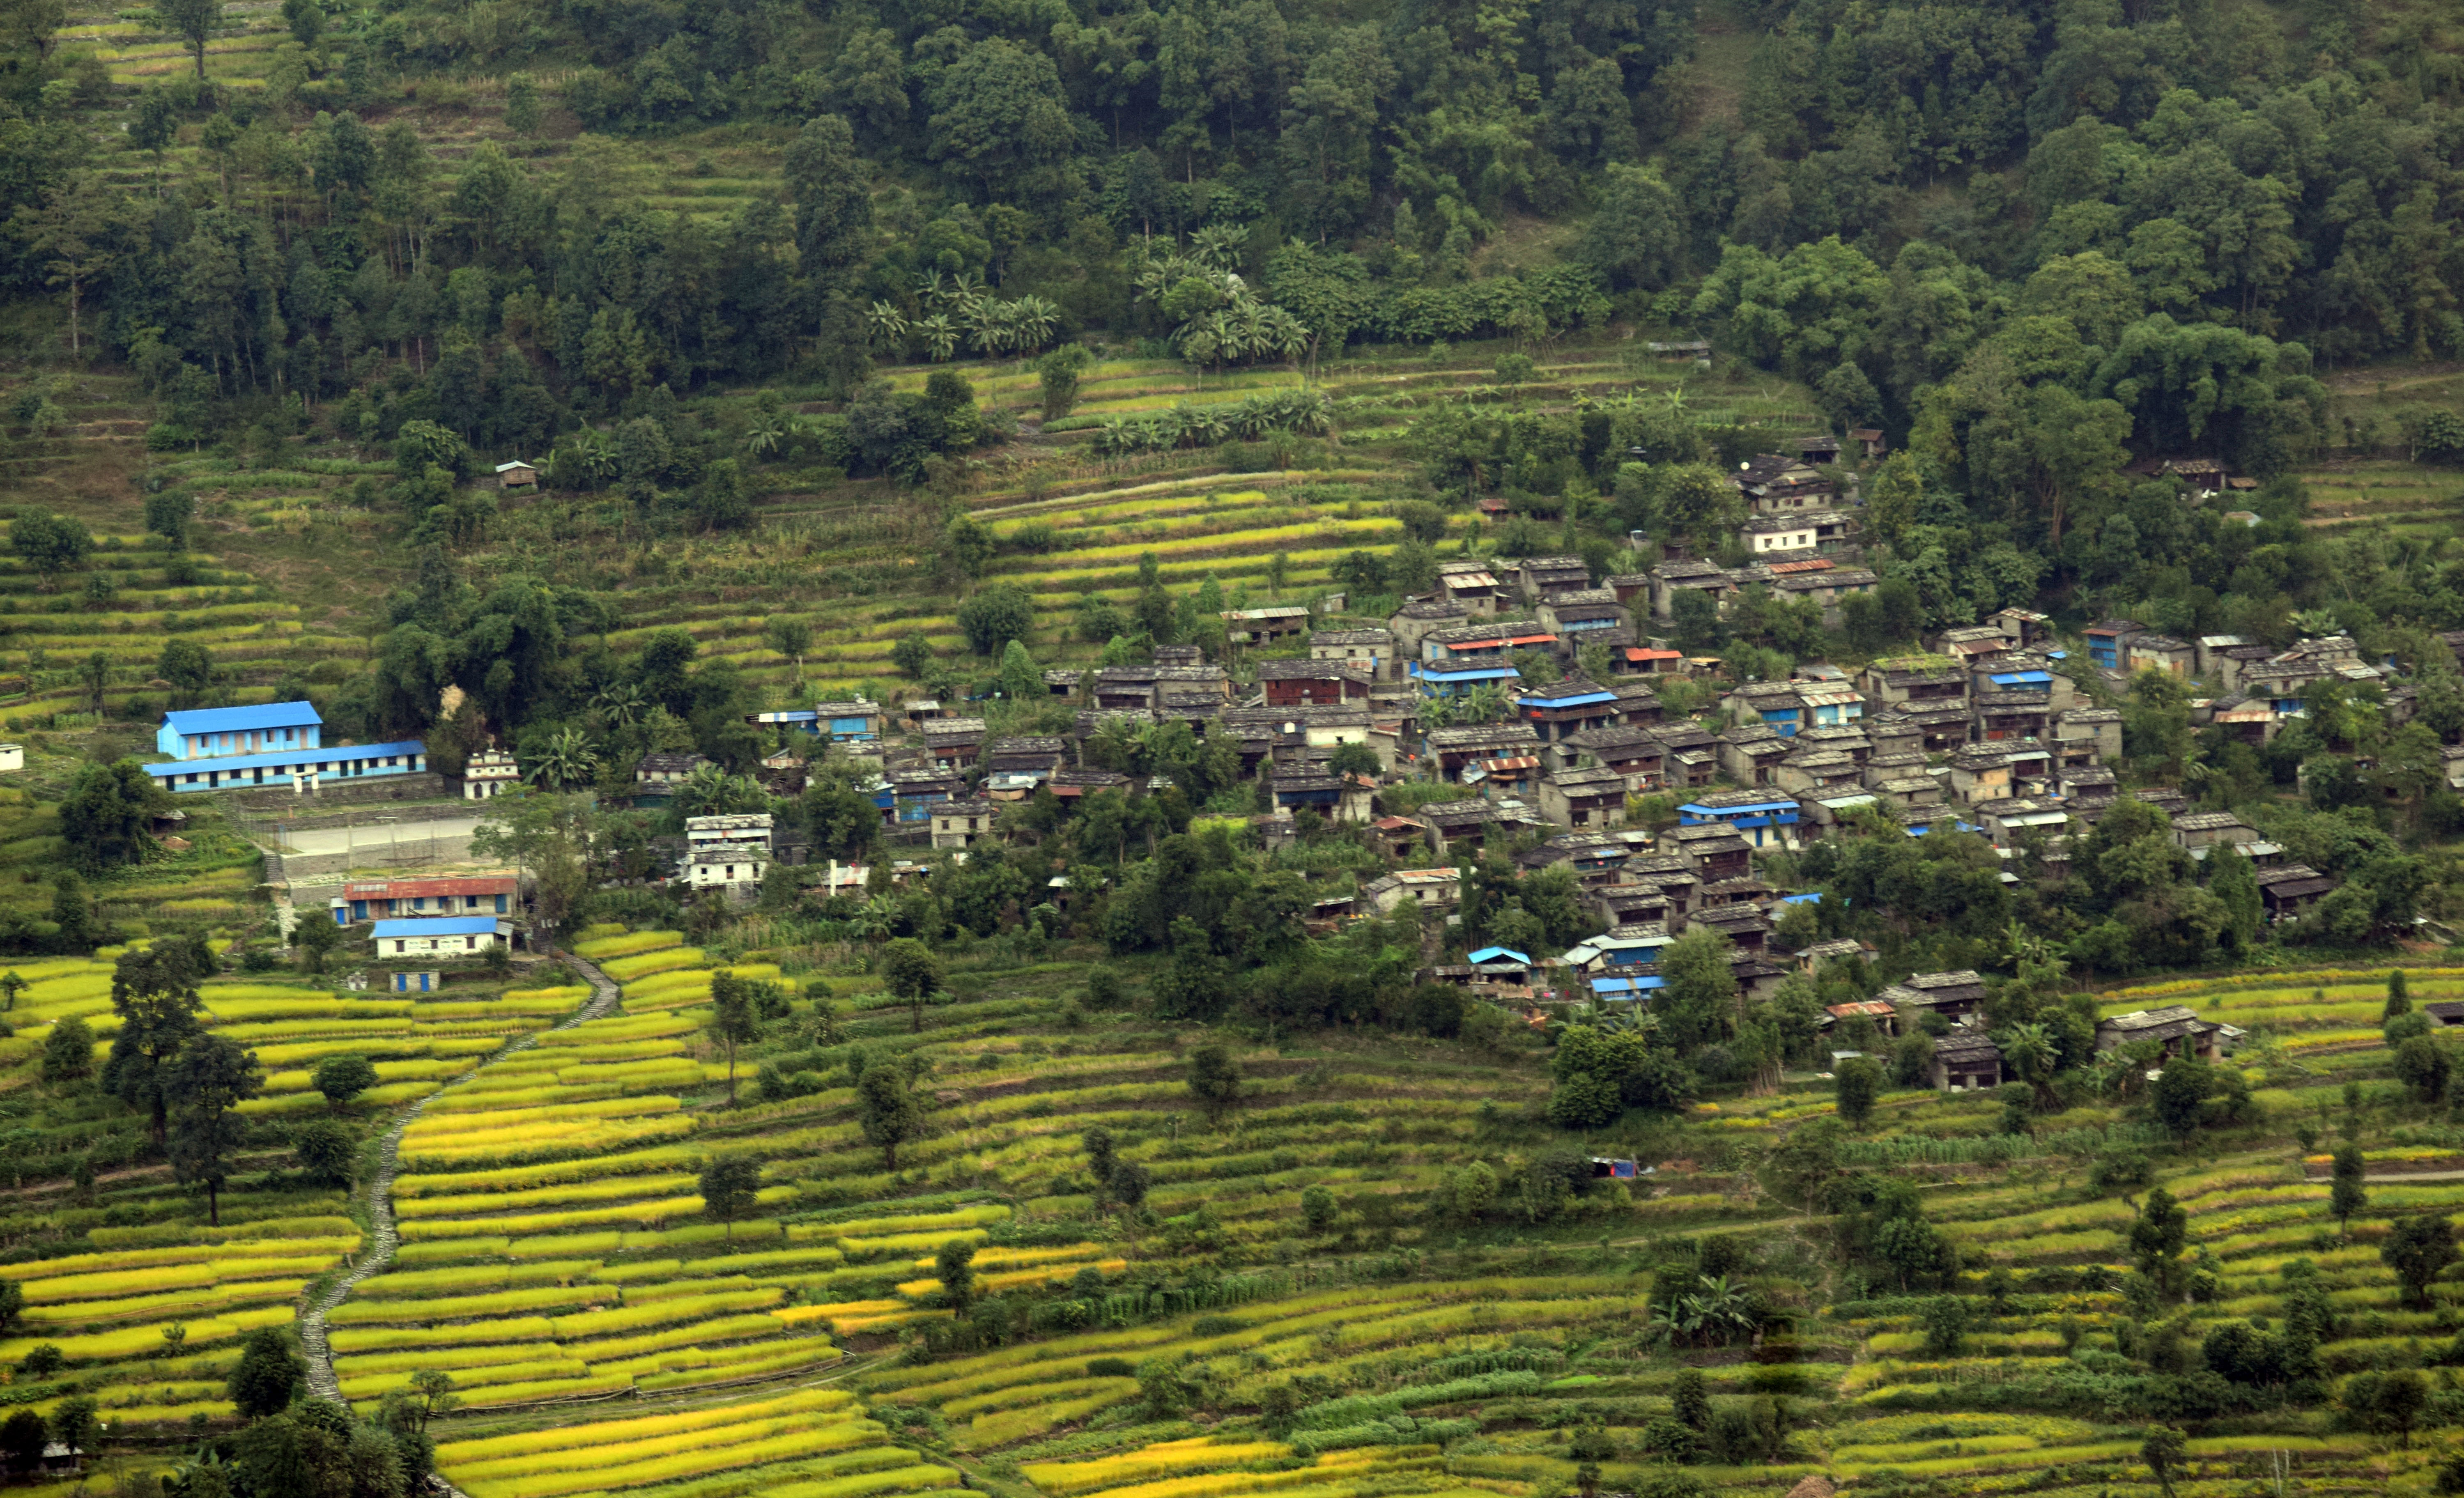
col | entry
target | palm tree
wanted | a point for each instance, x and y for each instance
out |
(2030, 1051)
(1036, 320)
(763, 437)
(566, 761)
(620, 703)
(886, 323)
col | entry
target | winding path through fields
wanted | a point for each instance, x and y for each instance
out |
(382, 1239)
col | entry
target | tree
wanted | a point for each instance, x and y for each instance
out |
(268, 1373)
(49, 543)
(1097, 1142)
(2165, 1453)
(75, 1426)
(733, 1021)
(888, 1110)
(342, 1078)
(1689, 1399)
(23, 1435)
(193, 20)
(74, 237)
(2417, 1248)
(2156, 1238)
(326, 1152)
(913, 974)
(184, 665)
(1213, 1080)
(2345, 1196)
(995, 616)
(12, 985)
(1856, 1083)
(2180, 1088)
(209, 1077)
(731, 1185)
(107, 811)
(953, 1264)
(1128, 1184)
(434, 1389)
(318, 938)
(1022, 679)
(68, 1052)
(2421, 1064)
(2399, 998)
(913, 655)
(1317, 1209)
(154, 992)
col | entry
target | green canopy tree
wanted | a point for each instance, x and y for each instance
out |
(154, 993)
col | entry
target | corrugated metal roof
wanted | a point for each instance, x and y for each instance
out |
(240, 719)
(437, 926)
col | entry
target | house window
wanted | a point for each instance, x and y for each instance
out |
(470, 943)
(402, 946)
(731, 871)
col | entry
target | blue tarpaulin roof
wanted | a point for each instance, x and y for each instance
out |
(2022, 677)
(1814, 898)
(1627, 985)
(243, 720)
(1558, 702)
(440, 926)
(1492, 954)
(1697, 808)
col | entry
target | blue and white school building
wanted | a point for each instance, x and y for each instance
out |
(273, 743)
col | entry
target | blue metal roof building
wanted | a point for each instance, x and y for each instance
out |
(1444, 681)
(207, 731)
(276, 767)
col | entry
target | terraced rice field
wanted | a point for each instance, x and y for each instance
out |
(146, 1319)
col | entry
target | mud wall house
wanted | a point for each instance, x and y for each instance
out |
(2288, 889)
(1375, 648)
(1065, 684)
(1671, 578)
(1263, 626)
(913, 793)
(1458, 828)
(1593, 858)
(960, 824)
(1773, 483)
(657, 775)
(1422, 889)
(2004, 822)
(1416, 619)
(1746, 926)
(954, 744)
(1634, 754)
(1817, 772)
(2175, 1029)
(1967, 1061)
(1452, 749)
(1535, 578)
(2158, 653)
(1584, 615)
(1129, 687)
(1953, 995)
(1750, 753)
(1823, 584)
(1313, 683)
(1713, 851)
(1471, 586)
(1693, 759)
(2088, 736)
(2196, 829)
(1908, 684)
(1592, 797)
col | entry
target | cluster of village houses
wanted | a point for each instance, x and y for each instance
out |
(1984, 733)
